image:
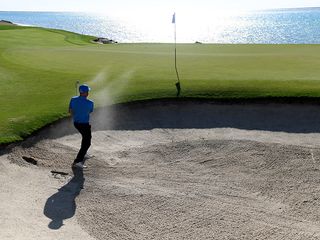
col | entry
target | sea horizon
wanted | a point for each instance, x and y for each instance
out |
(268, 26)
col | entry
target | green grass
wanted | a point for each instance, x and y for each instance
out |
(39, 67)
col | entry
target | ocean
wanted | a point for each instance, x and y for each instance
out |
(282, 26)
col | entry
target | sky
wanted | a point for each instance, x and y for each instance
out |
(122, 7)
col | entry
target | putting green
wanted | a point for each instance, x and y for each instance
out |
(39, 68)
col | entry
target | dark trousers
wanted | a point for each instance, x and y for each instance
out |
(85, 131)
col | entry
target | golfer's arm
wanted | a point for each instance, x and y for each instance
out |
(70, 111)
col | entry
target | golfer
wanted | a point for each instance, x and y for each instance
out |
(80, 108)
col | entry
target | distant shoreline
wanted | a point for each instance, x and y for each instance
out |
(7, 23)
(265, 26)
(249, 10)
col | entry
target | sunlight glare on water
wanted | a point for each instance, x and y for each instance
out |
(208, 26)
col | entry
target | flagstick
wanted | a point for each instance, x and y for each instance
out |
(178, 86)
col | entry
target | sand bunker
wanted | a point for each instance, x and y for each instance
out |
(169, 170)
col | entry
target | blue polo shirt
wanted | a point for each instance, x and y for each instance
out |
(81, 108)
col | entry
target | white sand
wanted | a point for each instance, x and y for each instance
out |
(232, 171)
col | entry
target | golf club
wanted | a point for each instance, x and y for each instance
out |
(77, 86)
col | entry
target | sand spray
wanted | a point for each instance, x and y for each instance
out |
(103, 118)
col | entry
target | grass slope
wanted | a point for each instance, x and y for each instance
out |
(39, 67)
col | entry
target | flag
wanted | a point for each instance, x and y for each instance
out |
(174, 18)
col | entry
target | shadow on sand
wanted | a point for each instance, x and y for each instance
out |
(278, 115)
(61, 205)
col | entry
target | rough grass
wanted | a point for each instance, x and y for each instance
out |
(39, 67)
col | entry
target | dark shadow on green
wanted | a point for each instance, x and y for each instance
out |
(291, 115)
